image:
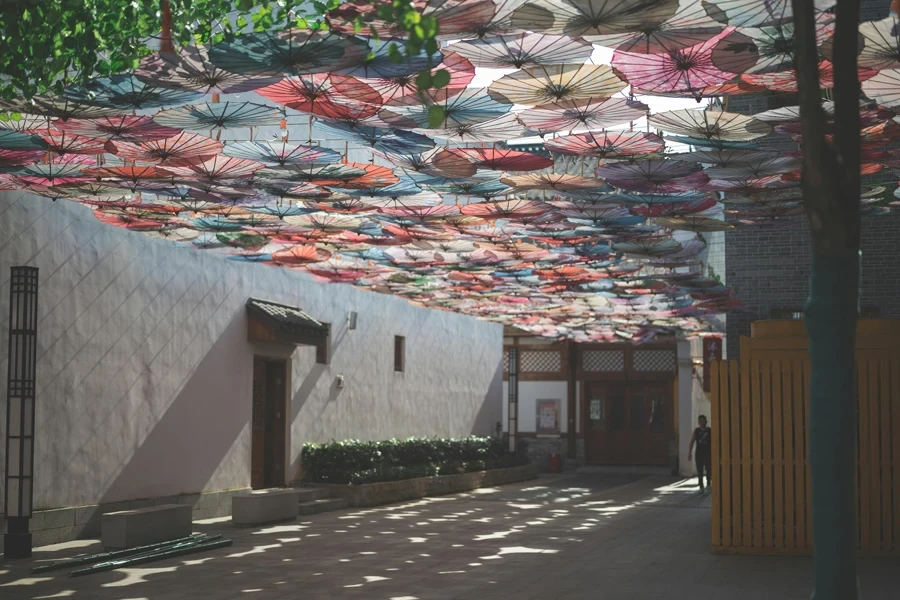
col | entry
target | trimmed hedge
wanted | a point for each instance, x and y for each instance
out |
(356, 462)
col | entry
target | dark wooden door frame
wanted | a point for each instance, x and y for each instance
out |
(268, 431)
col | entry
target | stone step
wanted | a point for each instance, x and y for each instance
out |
(315, 507)
(310, 494)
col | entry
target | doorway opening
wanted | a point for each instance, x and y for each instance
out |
(268, 435)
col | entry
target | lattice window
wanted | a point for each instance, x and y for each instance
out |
(540, 361)
(603, 361)
(505, 360)
(653, 360)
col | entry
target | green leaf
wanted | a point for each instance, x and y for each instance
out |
(423, 80)
(241, 22)
(357, 25)
(429, 27)
(441, 78)
(245, 5)
(385, 12)
(436, 115)
(4, 117)
(394, 54)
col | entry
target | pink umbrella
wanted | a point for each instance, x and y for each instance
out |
(686, 71)
(184, 146)
(595, 113)
(609, 144)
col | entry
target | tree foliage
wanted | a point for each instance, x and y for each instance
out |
(46, 46)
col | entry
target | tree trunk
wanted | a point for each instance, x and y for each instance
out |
(831, 196)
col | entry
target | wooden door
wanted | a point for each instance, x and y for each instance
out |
(628, 423)
(268, 437)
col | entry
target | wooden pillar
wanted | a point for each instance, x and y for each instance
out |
(571, 410)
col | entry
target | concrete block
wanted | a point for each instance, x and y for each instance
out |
(265, 506)
(130, 528)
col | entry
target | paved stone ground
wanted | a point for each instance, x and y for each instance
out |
(611, 536)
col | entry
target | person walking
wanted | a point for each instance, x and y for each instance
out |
(702, 437)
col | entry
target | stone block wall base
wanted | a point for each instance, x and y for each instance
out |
(58, 525)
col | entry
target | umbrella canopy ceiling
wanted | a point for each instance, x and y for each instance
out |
(595, 231)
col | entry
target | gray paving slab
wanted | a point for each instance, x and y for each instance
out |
(613, 536)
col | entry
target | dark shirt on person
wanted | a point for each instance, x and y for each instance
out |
(703, 439)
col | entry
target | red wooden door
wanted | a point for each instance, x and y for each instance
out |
(258, 428)
(268, 433)
(628, 423)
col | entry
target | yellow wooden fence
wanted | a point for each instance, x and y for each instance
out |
(761, 484)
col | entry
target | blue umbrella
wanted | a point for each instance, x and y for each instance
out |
(387, 140)
(127, 91)
(379, 63)
(278, 153)
(300, 53)
(16, 140)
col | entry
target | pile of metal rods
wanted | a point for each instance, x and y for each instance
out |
(107, 561)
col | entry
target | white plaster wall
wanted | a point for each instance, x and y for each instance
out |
(145, 374)
(530, 392)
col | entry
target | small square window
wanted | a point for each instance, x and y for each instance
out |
(323, 348)
(399, 353)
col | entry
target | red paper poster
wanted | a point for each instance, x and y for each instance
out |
(712, 351)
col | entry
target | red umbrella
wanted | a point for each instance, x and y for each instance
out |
(62, 142)
(300, 255)
(786, 81)
(324, 94)
(213, 169)
(126, 128)
(504, 209)
(501, 159)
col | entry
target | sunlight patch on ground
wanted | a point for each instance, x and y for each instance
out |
(62, 594)
(133, 576)
(280, 529)
(27, 581)
(256, 550)
(519, 550)
(197, 561)
(497, 535)
(67, 545)
(213, 520)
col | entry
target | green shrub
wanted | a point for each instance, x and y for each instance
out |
(355, 462)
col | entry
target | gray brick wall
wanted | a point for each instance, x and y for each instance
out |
(770, 270)
(874, 10)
